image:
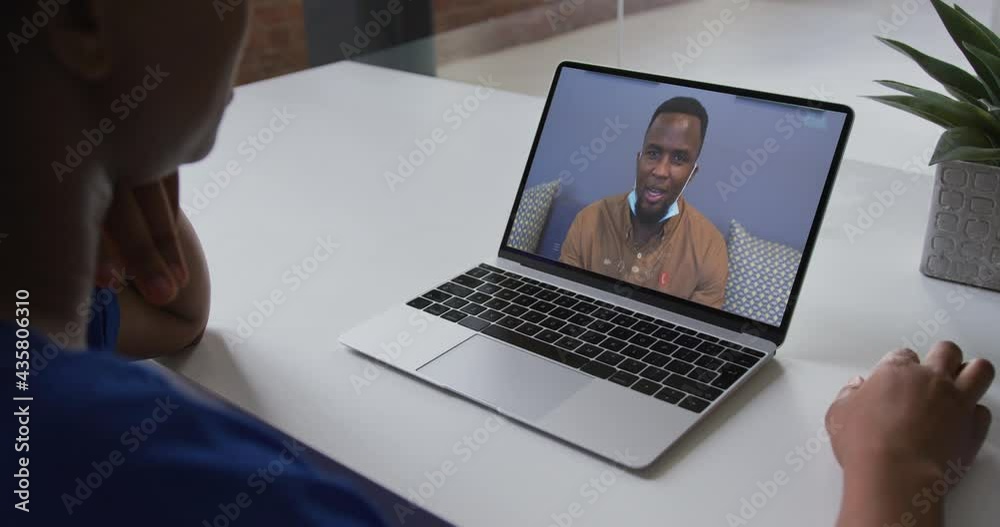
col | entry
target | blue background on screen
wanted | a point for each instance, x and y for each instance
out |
(777, 202)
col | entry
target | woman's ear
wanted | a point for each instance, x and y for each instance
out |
(78, 41)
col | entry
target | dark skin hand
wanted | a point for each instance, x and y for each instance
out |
(907, 431)
(165, 308)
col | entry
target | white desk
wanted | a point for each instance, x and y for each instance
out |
(323, 176)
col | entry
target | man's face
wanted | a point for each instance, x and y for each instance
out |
(665, 164)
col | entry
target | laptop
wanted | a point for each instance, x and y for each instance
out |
(650, 266)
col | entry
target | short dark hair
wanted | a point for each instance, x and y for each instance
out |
(687, 106)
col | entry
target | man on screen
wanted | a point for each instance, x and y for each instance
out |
(650, 236)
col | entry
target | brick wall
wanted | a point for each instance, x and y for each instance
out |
(277, 41)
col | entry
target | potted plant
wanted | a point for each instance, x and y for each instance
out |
(963, 232)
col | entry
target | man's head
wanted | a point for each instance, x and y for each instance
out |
(669, 155)
(160, 73)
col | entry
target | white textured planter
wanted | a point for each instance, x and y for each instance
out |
(963, 231)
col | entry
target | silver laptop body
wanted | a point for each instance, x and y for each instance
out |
(562, 389)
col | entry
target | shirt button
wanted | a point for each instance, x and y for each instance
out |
(635, 269)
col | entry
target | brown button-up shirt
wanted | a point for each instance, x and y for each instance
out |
(688, 259)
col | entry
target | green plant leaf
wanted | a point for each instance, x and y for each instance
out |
(913, 105)
(989, 32)
(970, 154)
(949, 111)
(991, 61)
(957, 81)
(962, 31)
(960, 138)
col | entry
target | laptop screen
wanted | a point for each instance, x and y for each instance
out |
(701, 195)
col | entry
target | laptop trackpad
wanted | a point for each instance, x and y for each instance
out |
(504, 377)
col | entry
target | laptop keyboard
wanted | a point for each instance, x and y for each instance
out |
(674, 364)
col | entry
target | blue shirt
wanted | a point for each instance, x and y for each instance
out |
(112, 442)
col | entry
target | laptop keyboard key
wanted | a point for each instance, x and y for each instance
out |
(666, 334)
(419, 302)
(597, 369)
(679, 366)
(565, 301)
(561, 312)
(725, 380)
(506, 294)
(646, 386)
(646, 328)
(454, 315)
(642, 340)
(634, 351)
(455, 289)
(547, 335)
(473, 309)
(543, 306)
(688, 355)
(623, 378)
(546, 295)
(553, 323)
(436, 309)
(585, 308)
(474, 323)
(624, 320)
(739, 358)
(510, 322)
(511, 283)
(688, 341)
(654, 374)
(497, 304)
(525, 300)
(515, 310)
(478, 297)
(529, 289)
(610, 357)
(755, 353)
(569, 343)
(528, 329)
(467, 281)
(581, 319)
(604, 314)
(533, 316)
(477, 272)
(693, 387)
(709, 348)
(592, 337)
(656, 359)
(621, 333)
(491, 315)
(709, 363)
(437, 295)
(665, 348)
(702, 375)
(602, 326)
(613, 344)
(455, 302)
(632, 366)
(732, 369)
(494, 278)
(572, 330)
(694, 404)
(489, 289)
(589, 350)
(669, 395)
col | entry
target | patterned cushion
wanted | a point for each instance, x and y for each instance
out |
(532, 215)
(761, 273)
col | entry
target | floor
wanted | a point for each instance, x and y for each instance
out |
(810, 48)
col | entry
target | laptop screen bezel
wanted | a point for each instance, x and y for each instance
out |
(688, 308)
